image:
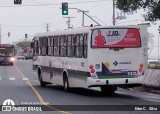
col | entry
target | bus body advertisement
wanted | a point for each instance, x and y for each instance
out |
(105, 57)
(7, 53)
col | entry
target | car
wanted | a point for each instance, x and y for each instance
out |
(28, 53)
(20, 55)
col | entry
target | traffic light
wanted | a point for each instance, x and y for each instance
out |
(17, 1)
(9, 34)
(65, 8)
(26, 35)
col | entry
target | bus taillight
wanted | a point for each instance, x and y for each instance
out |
(141, 65)
(92, 71)
(140, 69)
(91, 66)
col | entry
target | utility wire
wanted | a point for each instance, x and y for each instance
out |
(42, 4)
(39, 4)
(20, 26)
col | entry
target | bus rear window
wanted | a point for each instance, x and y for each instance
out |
(116, 38)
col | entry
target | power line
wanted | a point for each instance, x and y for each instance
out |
(20, 26)
(42, 4)
(39, 4)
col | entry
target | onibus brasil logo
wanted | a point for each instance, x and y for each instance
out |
(9, 105)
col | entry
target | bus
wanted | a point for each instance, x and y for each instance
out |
(102, 56)
(28, 53)
(7, 54)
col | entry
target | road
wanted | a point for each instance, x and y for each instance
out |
(17, 83)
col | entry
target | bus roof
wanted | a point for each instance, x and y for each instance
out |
(6, 45)
(82, 30)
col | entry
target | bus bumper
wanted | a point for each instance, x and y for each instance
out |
(120, 82)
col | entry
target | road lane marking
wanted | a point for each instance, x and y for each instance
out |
(0, 78)
(39, 96)
(19, 71)
(25, 79)
(11, 78)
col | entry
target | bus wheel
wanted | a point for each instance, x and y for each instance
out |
(42, 83)
(66, 84)
(108, 90)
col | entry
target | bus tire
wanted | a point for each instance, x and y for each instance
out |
(42, 83)
(66, 84)
(108, 90)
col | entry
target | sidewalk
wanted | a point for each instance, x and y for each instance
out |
(147, 89)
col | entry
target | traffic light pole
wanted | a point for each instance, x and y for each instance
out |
(83, 17)
(84, 13)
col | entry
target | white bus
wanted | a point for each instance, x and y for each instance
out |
(105, 57)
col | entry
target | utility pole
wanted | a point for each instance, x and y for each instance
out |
(114, 19)
(83, 16)
(47, 26)
(69, 21)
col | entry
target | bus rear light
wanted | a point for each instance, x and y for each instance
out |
(141, 65)
(140, 69)
(92, 71)
(91, 66)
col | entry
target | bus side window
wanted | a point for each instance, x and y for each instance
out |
(35, 48)
(52, 43)
(56, 46)
(85, 47)
(49, 46)
(40, 46)
(63, 46)
(79, 46)
(70, 46)
(44, 46)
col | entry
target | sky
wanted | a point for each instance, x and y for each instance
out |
(32, 16)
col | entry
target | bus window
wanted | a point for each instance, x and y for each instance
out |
(70, 46)
(85, 46)
(79, 45)
(44, 46)
(63, 46)
(40, 46)
(49, 45)
(35, 48)
(56, 46)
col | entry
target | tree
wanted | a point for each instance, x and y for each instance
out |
(150, 42)
(24, 44)
(132, 5)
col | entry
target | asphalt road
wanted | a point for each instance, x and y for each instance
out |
(17, 83)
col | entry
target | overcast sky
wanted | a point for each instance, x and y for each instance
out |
(31, 17)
